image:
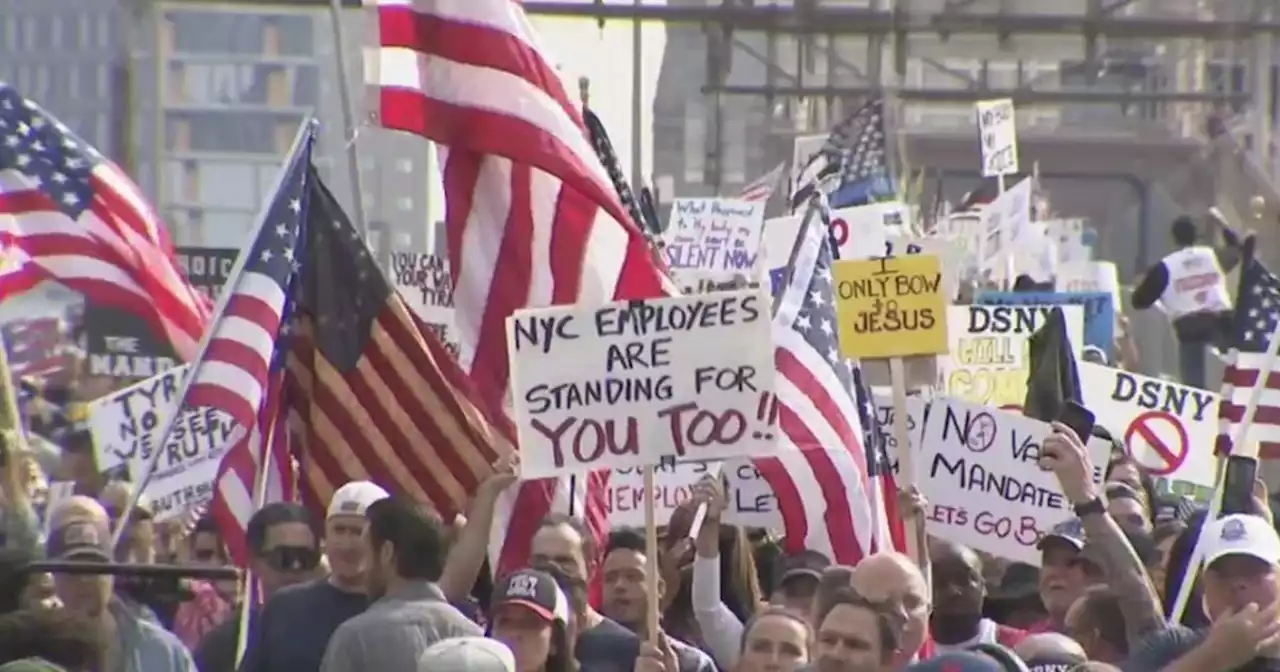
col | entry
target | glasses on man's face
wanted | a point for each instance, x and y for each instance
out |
(292, 558)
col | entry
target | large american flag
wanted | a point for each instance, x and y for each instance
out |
(830, 494)
(1257, 314)
(763, 187)
(532, 218)
(68, 214)
(852, 167)
(243, 365)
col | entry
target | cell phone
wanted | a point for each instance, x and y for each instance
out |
(1237, 493)
(1078, 418)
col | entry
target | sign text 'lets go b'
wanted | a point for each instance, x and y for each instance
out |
(629, 383)
(893, 307)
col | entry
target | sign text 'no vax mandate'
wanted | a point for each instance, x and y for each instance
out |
(891, 307)
(629, 383)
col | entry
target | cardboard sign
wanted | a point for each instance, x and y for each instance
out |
(626, 384)
(978, 468)
(998, 131)
(891, 307)
(1168, 428)
(1099, 312)
(424, 282)
(125, 427)
(714, 234)
(917, 409)
(748, 498)
(988, 362)
(859, 232)
(950, 254)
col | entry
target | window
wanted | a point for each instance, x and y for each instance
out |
(695, 140)
(9, 31)
(72, 81)
(55, 32)
(246, 132)
(30, 34)
(296, 34)
(104, 30)
(204, 32)
(404, 204)
(734, 150)
(227, 184)
(84, 30)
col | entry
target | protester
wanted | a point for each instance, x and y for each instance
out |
(1096, 622)
(19, 526)
(468, 654)
(79, 530)
(1050, 652)
(406, 544)
(20, 588)
(530, 614)
(720, 608)
(894, 582)
(959, 591)
(293, 629)
(857, 635)
(1128, 507)
(60, 637)
(284, 547)
(776, 640)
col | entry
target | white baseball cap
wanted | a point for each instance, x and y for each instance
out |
(1241, 534)
(467, 654)
(353, 498)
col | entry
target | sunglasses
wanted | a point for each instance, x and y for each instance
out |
(292, 558)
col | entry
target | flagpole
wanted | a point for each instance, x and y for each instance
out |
(805, 223)
(259, 500)
(175, 411)
(348, 115)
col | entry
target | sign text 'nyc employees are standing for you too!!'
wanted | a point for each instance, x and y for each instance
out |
(628, 383)
(892, 307)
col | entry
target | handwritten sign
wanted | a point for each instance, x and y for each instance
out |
(1168, 428)
(858, 232)
(1089, 276)
(891, 307)
(697, 281)
(625, 384)
(917, 409)
(998, 132)
(978, 468)
(713, 234)
(988, 362)
(748, 498)
(424, 282)
(125, 427)
(1099, 312)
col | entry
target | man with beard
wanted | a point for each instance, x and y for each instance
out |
(406, 544)
(958, 595)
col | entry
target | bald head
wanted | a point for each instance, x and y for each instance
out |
(894, 580)
(1048, 644)
(870, 575)
(78, 507)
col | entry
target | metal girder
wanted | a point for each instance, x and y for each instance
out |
(861, 21)
(1021, 97)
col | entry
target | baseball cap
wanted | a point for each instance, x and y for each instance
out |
(1053, 661)
(467, 654)
(353, 498)
(1241, 534)
(536, 591)
(1070, 530)
(79, 539)
(957, 661)
(805, 563)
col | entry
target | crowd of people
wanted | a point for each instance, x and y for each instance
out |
(382, 583)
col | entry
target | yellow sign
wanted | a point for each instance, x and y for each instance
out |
(894, 307)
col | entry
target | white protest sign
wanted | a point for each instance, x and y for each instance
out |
(859, 233)
(714, 234)
(697, 281)
(1068, 236)
(998, 132)
(916, 407)
(125, 427)
(749, 500)
(978, 468)
(1089, 276)
(625, 384)
(949, 252)
(1036, 254)
(1168, 428)
(424, 282)
(988, 345)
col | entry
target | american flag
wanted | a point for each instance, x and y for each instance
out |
(829, 493)
(855, 157)
(243, 364)
(762, 188)
(68, 214)
(1257, 314)
(532, 217)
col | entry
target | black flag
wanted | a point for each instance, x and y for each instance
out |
(1053, 379)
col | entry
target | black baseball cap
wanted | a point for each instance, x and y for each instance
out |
(536, 591)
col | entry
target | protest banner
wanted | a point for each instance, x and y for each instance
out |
(207, 268)
(714, 234)
(125, 427)
(858, 232)
(949, 252)
(749, 500)
(121, 346)
(988, 361)
(424, 282)
(998, 135)
(1099, 311)
(979, 471)
(698, 281)
(891, 307)
(1089, 276)
(624, 384)
(1170, 429)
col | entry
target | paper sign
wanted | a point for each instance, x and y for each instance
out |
(1099, 314)
(698, 281)
(998, 131)
(713, 234)
(916, 411)
(749, 500)
(978, 468)
(1168, 428)
(1089, 276)
(891, 307)
(988, 362)
(859, 232)
(125, 427)
(425, 284)
(625, 384)
(949, 252)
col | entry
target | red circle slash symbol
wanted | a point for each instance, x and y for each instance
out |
(1153, 449)
(982, 433)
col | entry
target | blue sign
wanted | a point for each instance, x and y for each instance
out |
(1099, 313)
